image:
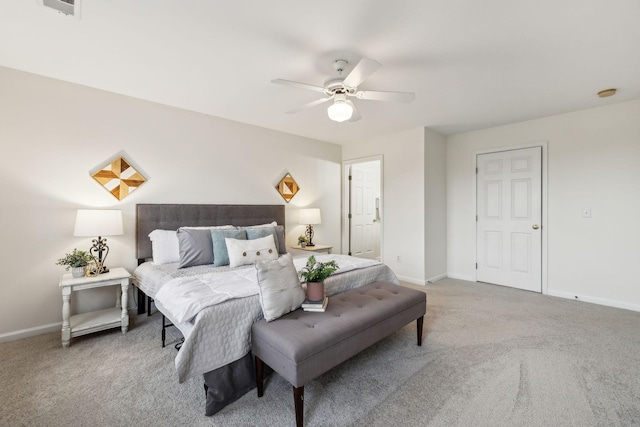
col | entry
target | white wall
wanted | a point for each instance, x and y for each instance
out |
(593, 161)
(403, 199)
(53, 133)
(435, 205)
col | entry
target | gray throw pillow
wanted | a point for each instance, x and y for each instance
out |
(280, 288)
(281, 243)
(195, 247)
(220, 254)
(256, 232)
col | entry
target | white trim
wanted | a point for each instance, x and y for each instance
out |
(412, 280)
(461, 277)
(31, 332)
(43, 329)
(545, 207)
(345, 200)
(436, 278)
(592, 300)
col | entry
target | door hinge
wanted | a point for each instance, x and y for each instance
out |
(476, 265)
(476, 171)
(476, 218)
(349, 216)
(349, 177)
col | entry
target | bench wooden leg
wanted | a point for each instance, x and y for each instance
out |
(420, 321)
(259, 378)
(298, 399)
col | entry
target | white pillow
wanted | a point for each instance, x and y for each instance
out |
(164, 246)
(210, 227)
(280, 289)
(243, 252)
(272, 224)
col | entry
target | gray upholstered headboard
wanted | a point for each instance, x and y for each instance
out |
(151, 217)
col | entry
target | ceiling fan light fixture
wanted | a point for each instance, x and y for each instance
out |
(340, 110)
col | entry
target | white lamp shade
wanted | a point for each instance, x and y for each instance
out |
(340, 111)
(98, 222)
(310, 216)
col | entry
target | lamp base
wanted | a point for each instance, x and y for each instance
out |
(311, 244)
(104, 270)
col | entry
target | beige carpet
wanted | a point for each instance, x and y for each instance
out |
(491, 356)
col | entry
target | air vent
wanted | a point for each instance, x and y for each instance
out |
(68, 7)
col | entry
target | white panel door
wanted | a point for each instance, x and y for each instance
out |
(509, 215)
(363, 215)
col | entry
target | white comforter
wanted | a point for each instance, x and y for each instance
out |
(221, 333)
(185, 297)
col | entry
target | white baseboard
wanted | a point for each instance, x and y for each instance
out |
(461, 277)
(436, 278)
(593, 300)
(412, 280)
(30, 332)
(44, 329)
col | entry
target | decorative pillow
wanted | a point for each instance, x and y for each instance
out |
(271, 224)
(243, 252)
(220, 254)
(196, 246)
(280, 289)
(256, 233)
(282, 243)
(278, 234)
(164, 246)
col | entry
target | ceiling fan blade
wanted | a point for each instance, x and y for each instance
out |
(375, 95)
(362, 70)
(309, 105)
(299, 85)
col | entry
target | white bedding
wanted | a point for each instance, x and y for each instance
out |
(220, 334)
(184, 297)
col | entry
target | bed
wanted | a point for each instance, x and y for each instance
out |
(217, 340)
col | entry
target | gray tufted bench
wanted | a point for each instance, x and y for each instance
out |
(302, 345)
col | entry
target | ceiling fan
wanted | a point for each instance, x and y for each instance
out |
(339, 89)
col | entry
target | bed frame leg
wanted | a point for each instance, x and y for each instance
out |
(298, 399)
(259, 376)
(149, 305)
(164, 327)
(420, 322)
(141, 299)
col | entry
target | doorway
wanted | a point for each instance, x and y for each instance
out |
(362, 215)
(509, 213)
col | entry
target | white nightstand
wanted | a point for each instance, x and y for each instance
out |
(86, 323)
(315, 248)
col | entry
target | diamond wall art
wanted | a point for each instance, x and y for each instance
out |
(119, 178)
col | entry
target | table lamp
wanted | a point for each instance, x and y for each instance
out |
(309, 217)
(98, 222)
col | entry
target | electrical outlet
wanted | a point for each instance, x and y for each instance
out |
(586, 212)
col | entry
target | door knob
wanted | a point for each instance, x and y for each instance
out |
(534, 226)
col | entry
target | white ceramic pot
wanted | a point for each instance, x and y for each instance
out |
(77, 272)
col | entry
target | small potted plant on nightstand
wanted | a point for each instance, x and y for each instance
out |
(76, 261)
(302, 241)
(314, 273)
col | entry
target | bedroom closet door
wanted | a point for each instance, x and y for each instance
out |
(509, 215)
(363, 206)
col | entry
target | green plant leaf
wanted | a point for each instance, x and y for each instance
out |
(317, 271)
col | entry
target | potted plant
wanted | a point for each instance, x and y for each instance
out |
(303, 241)
(314, 273)
(76, 261)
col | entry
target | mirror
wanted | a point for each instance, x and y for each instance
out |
(287, 187)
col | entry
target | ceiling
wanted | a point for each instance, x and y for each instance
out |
(471, 64)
